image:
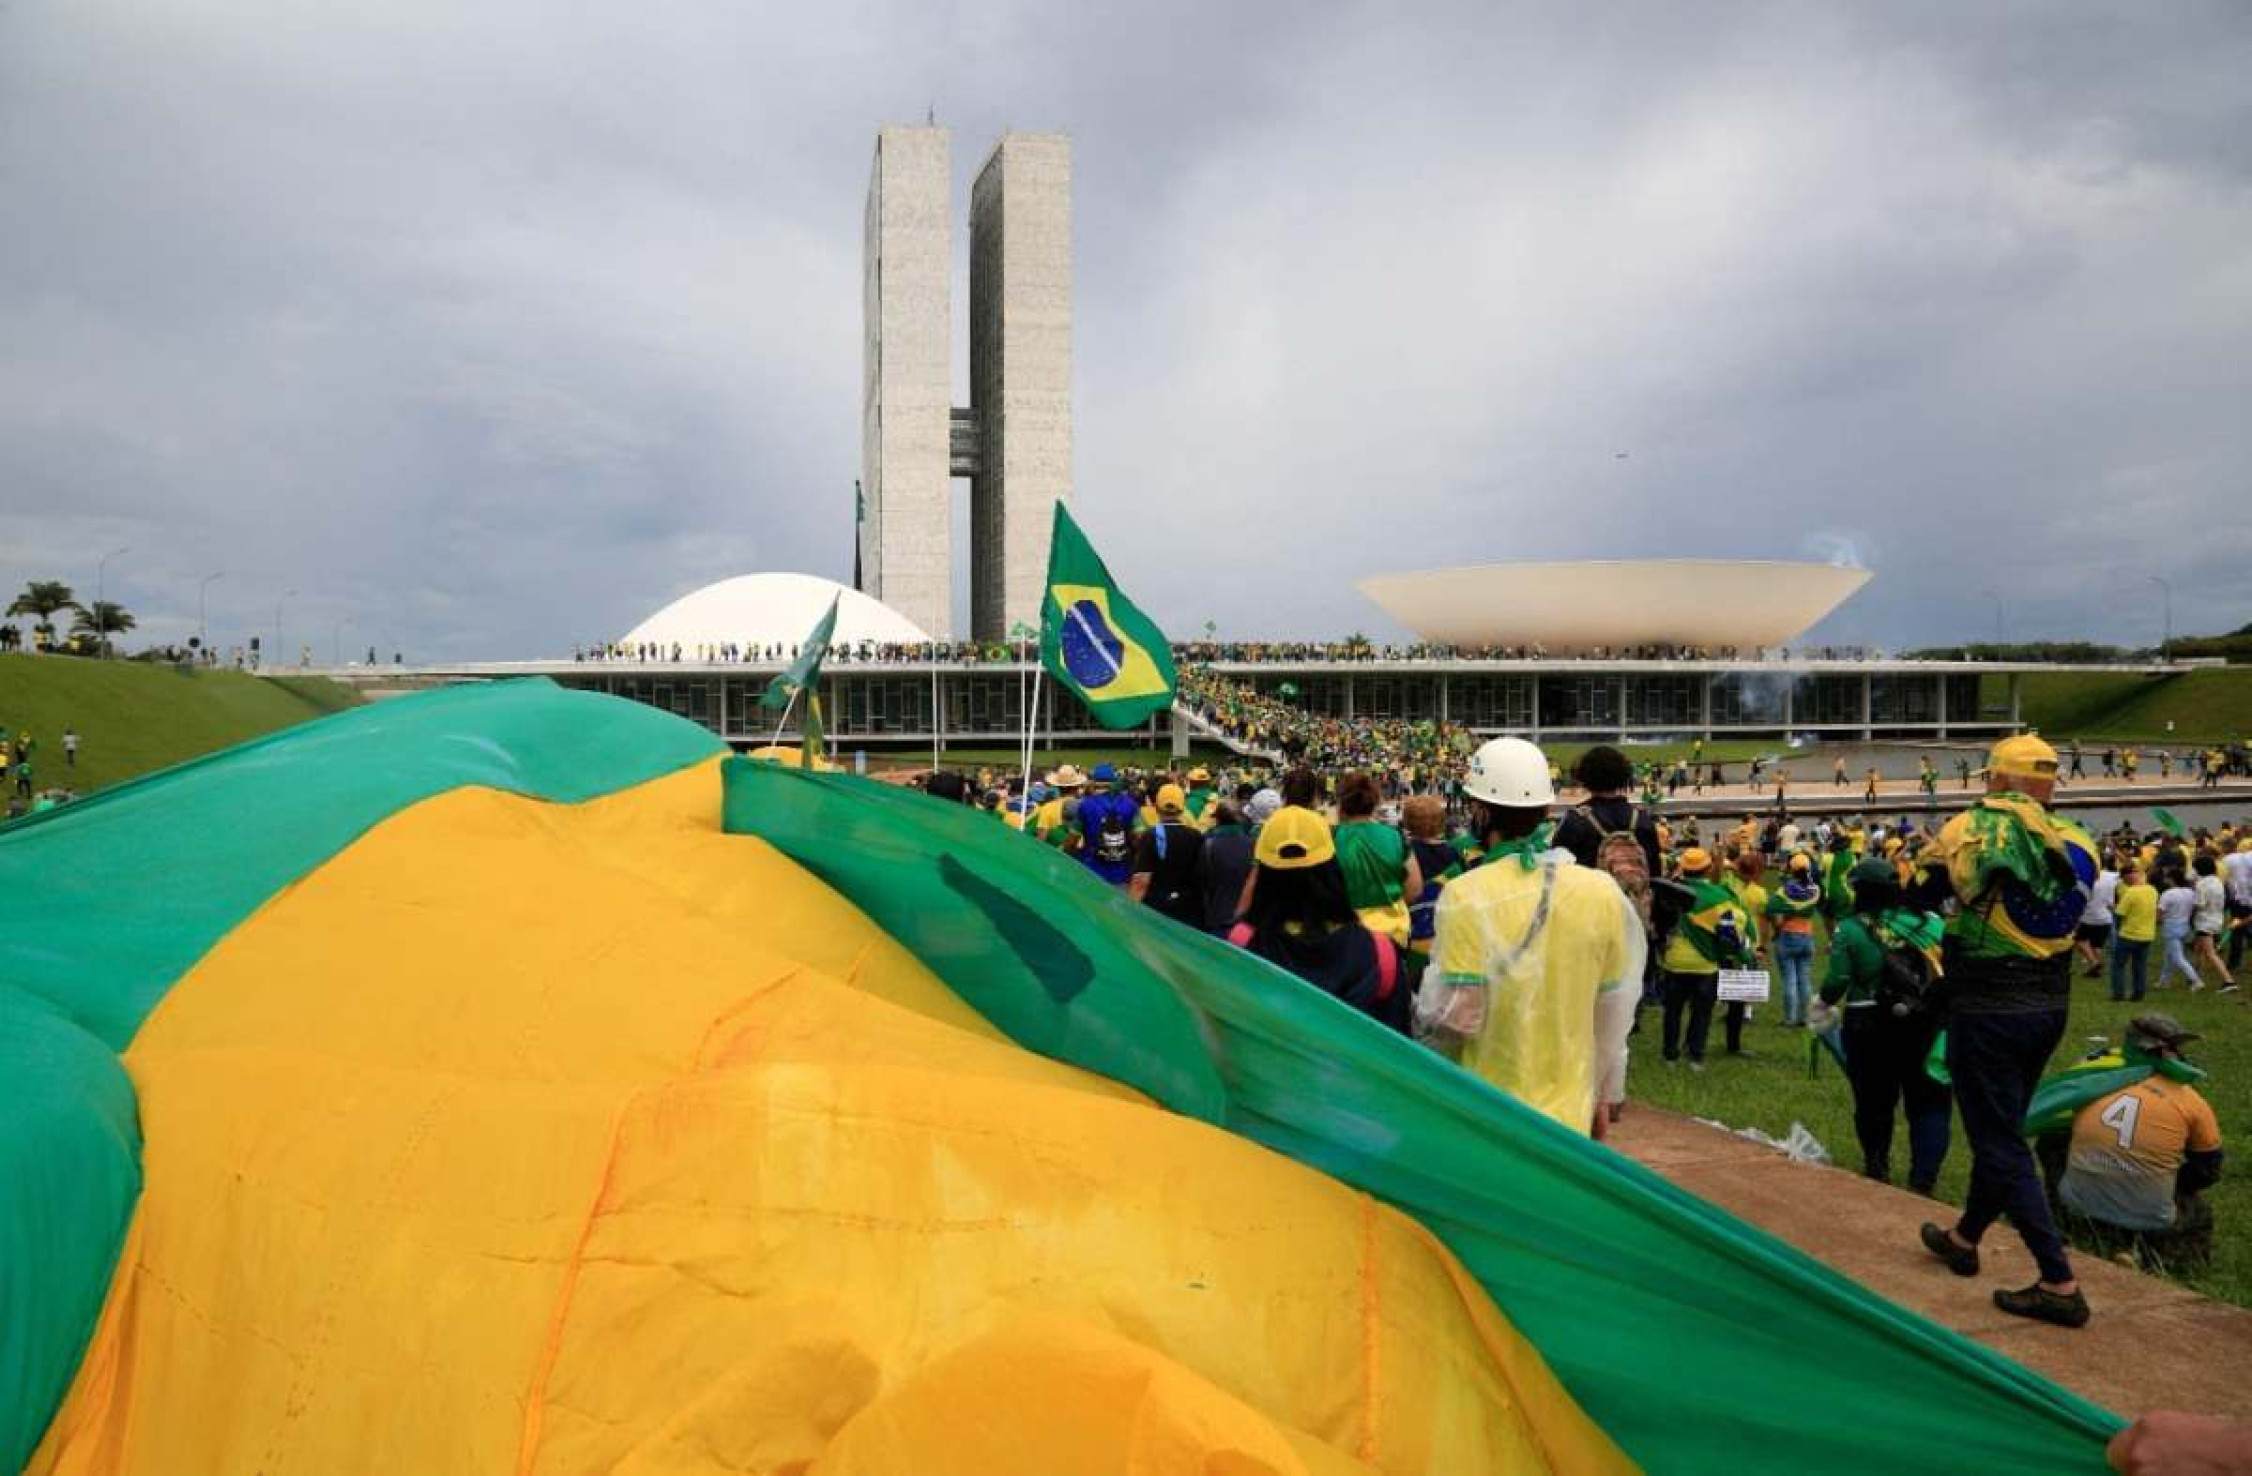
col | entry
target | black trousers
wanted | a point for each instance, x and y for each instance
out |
(1696, 994)
(1996, 1061)
(1884, 1060)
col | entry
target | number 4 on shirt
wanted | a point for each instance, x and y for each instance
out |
(2121, 1117)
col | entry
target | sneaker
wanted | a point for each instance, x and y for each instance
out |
(2230, 987)
(1939, 1243)
(1696, 1065)
(2044, 1306)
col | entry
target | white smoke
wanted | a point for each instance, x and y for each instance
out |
(1841, 548)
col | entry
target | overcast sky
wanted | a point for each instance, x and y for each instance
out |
(491, 327)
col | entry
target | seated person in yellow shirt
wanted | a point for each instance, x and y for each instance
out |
(2131, 1174)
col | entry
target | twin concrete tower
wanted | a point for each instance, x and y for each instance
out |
(1014, 440)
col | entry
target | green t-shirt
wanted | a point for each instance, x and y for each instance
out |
(1373, 857)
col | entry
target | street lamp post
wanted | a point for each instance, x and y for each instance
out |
(1996, 597)
(2166, 639)
(101, 572)
(287, 596)
(202, 625)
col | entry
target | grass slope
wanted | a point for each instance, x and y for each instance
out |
(1770, 1088)
(2202, 705)
(133, 716)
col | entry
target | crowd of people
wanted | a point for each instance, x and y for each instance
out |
(1526, 938)
(1409, 756)
(1356, 650)
(21, 758)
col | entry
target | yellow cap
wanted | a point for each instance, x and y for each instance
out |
(1696, 859)
(1800, 861)
(1294, 837)
(2025, 756)
(1200, 776)
(1170, 800)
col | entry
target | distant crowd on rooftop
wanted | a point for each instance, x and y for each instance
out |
(1294, 653)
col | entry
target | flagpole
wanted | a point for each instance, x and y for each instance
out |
(784, 720)
(1037, 673)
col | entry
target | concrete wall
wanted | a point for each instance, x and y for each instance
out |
(1020, 373)
(907, 397)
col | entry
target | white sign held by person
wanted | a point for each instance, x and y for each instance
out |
(1748, 985)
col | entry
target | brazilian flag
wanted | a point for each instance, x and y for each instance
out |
(1094, 641)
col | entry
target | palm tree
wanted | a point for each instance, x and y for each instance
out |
(41, 600)
(102, 619)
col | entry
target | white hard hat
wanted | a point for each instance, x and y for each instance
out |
(1510, 772)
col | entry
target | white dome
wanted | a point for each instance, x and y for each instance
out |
(761, 609)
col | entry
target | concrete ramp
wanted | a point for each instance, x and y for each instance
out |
(2151, 1345)
(1203, 727)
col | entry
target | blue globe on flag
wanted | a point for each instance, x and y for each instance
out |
(1093, 653)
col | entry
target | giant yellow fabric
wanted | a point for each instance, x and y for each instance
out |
(531, 1138)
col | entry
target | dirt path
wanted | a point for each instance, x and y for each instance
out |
(2151, 1345)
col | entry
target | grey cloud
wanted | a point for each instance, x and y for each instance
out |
(491, 328)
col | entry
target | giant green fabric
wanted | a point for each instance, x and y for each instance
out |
(70, 1170)
(105, 903)
(1698, 1341)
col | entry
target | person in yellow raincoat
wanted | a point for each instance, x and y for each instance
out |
(1538, 960)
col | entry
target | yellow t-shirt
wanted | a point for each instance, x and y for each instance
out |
(1754, 898)
(2135, 910)
(2126, 1148)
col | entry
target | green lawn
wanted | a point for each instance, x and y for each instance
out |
(133, 717)
(2203, 705)
(1771, 1087)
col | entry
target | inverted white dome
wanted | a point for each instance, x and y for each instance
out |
(1746, 603)
(760, 609)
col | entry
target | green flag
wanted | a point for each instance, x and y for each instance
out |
(806, 670)
(1094, 641)
(2169, 823)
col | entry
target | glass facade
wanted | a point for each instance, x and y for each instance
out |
(1589, 703)
(1819, 701)
(1663, 702)
(988, 703)
(1491, 701)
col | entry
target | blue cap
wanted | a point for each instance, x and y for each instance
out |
(1104, 774)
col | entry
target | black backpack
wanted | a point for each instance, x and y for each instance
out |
(1111, 839)
(1905, 983)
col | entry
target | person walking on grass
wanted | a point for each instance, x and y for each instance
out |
(2209, 919)
(2092, 939)
(2177, 905)
(1712, 933)
(2019, 877)
(1884, 966)
(2135, 910)
(1537, 963)
(1791, 910)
